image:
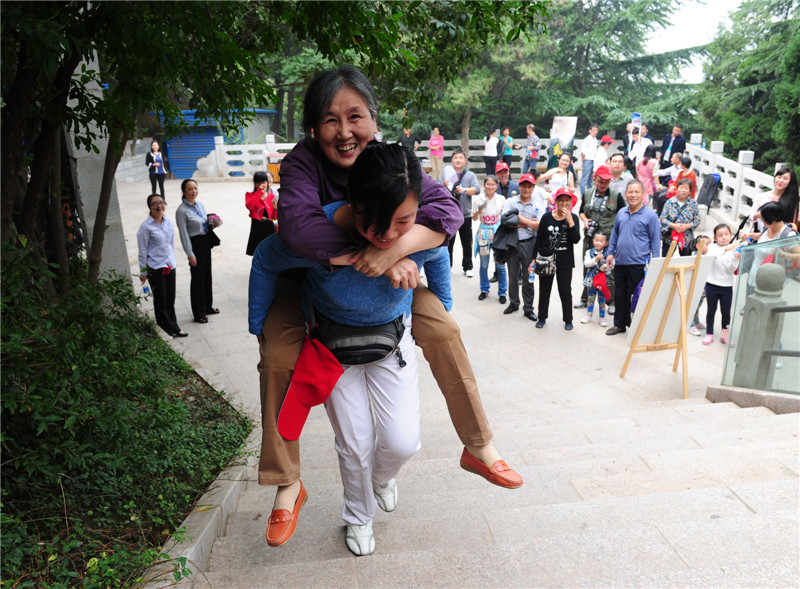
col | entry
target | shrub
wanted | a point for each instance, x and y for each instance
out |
(108, 436)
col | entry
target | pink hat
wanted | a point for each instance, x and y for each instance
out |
(500, 166)
(606, 139)
(528, 178)
(316, 373)
(603, 172)
(565, 192)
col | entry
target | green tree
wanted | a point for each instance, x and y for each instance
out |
(749, 96)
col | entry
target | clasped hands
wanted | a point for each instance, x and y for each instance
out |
(402, 273)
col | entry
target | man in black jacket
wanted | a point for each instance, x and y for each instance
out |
(673, 143)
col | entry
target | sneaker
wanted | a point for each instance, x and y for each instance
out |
(724, 335)
(468, 273)
(386, 495)
(483, 296)
(503, 300)
(360, 539)
(568, 326)
(694, 331)
(611, 309)
(708, 339)
(493, 278)
(586, 319)
(603, 322)
(579, 305)
(540, 323)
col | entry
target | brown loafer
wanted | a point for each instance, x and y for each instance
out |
(498, 473)
(282, 522)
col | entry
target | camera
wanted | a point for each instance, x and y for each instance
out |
(591, 229)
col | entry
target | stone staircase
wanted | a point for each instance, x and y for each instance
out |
(670, 493)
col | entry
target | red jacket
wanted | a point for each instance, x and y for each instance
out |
(259, 206)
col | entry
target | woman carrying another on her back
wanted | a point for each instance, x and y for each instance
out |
(156, 240)
(155, 164)
(490, 151)
(262, 209)
(192, 221)
(339, 117)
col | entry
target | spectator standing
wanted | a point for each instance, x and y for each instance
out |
(559, 177)
(784, 191)
(598, 212)
(719, 284)
(604, 151)
(409, 140)
(588, 152)
(508, 146)
(673, 143)
(532, 148)
(156, 241)
(557, 234)
(645, 172)
(620, 178)
(263, 212)
(627, 139)
(490, 151)
(679, 219)
(523, 213)
(463, 185)
(154, 161)
(634, 241)
(637, 147)
(687, 172)
(507, 186)
(436, 147)
(488, 208)
(646, 133)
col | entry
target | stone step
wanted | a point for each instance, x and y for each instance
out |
(431, 551)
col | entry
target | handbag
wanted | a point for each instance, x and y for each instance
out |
(213, 238)
(355, 345)
(545, 265)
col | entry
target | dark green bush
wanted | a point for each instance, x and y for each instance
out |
(107, 434)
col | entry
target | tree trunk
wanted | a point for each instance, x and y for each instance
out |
(116, 141)
(15, 118)
(280, 93)
(56, 233)
(290, 114)
(466, 119)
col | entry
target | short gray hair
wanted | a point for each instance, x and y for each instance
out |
(323, 88)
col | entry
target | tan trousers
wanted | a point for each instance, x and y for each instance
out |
(434, 330)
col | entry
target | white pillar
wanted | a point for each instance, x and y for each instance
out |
(219, 149)
(746, 161)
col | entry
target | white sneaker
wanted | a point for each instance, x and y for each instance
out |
(603, 322)
(386, 495)
(694, 331)
(469, 273)
(586, 318)
(360, 539)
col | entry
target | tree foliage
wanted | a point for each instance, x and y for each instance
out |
(749, 98)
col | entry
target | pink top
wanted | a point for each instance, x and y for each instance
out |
(644, 172)
(436, 145)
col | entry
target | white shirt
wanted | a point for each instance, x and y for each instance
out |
(490, 146)
(589, 148)
(490, 208)
(637, 151)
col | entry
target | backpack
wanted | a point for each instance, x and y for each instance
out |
(501, 147)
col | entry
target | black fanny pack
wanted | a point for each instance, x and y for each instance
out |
(353, 345)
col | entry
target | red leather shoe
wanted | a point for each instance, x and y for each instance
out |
(282, 522)
(498, 473)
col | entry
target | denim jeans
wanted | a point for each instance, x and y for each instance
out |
(586, 176)
(528, 164)
(502, 276)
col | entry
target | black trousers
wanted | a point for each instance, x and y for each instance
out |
(563, 280)
(626, 279)
(157, 179)
(200, 290)
(163, 288)
(465, 235)
(490, 162)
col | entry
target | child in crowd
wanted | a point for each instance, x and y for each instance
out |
(595, 280)
(719, 285)
(488, 207)
(383, 195)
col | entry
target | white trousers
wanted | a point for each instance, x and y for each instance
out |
(374, 450)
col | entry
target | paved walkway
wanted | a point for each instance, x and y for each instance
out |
(626, 483)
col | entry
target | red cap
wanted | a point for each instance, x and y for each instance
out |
(603, 172)
(528, 178)
(316, 373)
(500, 166)
(566, 192)
(606, 139)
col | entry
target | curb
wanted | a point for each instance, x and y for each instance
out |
(206, 522)
(776, 402)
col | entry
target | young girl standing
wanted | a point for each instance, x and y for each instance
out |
(719, 286)
(488, 207)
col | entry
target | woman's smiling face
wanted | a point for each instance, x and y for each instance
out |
(345, 128)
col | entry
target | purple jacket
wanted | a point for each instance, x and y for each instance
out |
(309, 181)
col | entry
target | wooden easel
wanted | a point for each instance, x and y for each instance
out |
(679, 288)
